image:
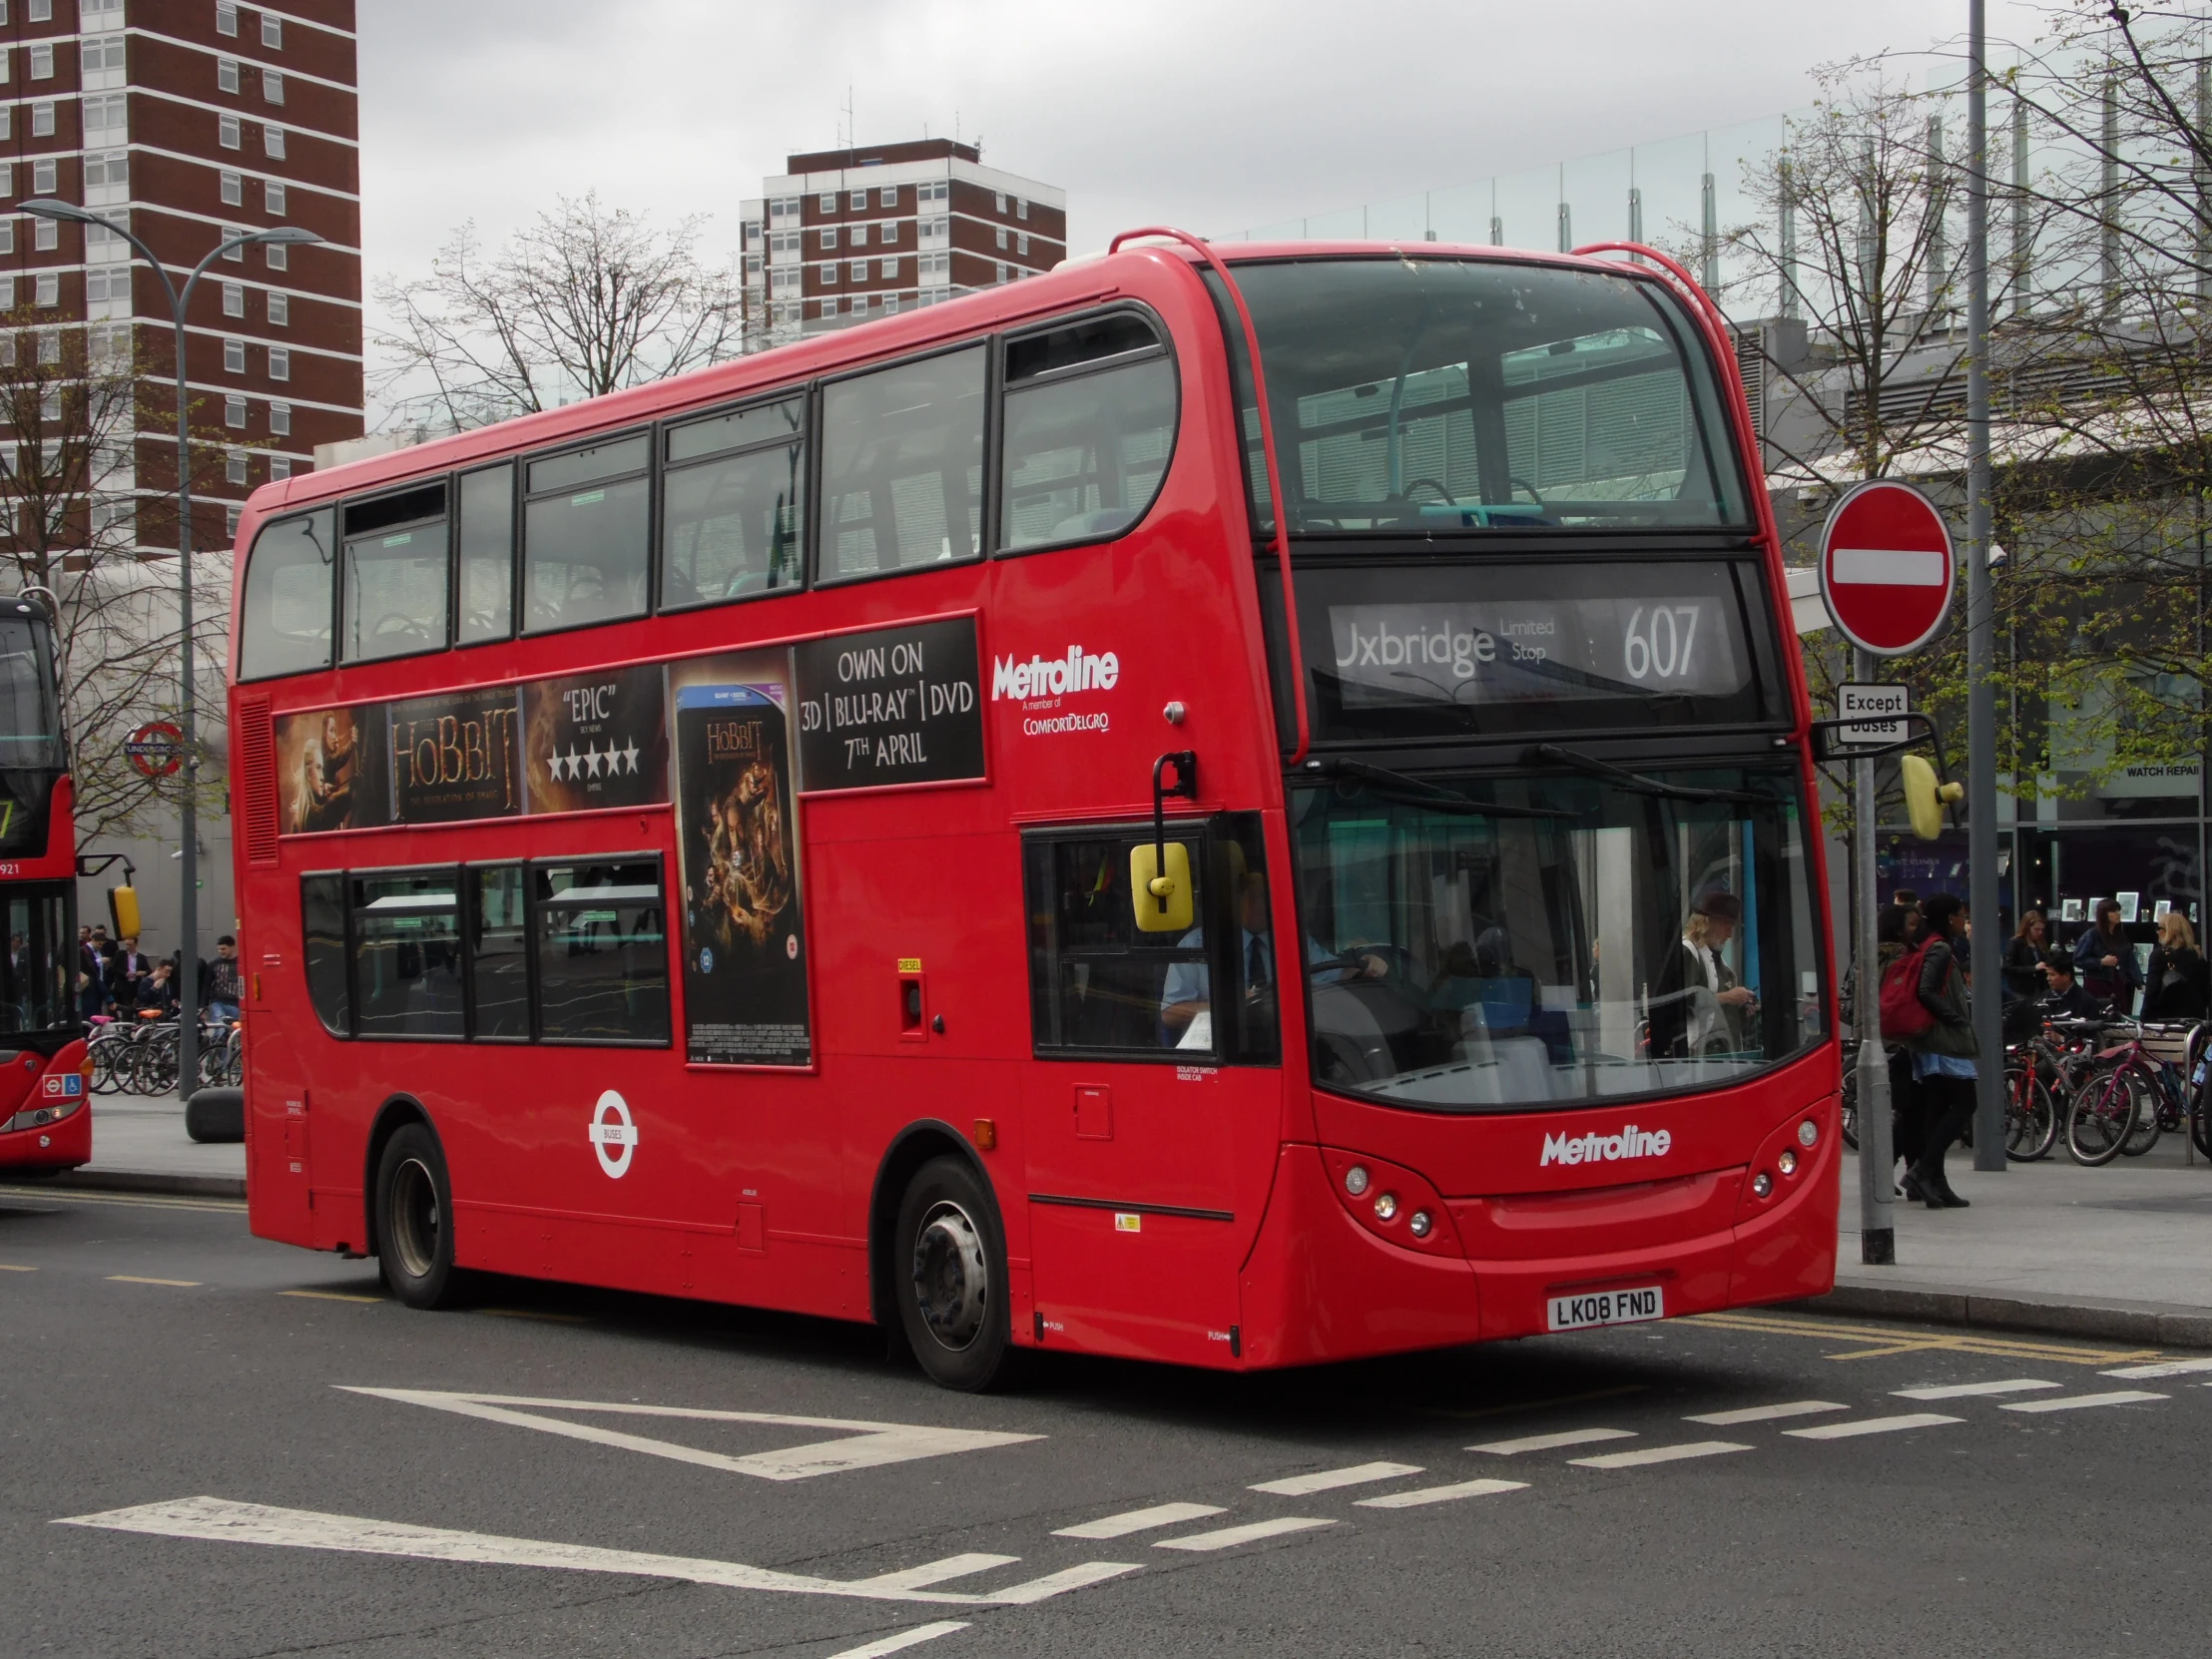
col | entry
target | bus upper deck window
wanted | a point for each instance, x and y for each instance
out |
(1090, 422)
(902, 467)
(585, 531)
(284, 617)
(732, 503)
(392, 598)
(486, 544)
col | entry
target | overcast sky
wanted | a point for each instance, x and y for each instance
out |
(1212, 114)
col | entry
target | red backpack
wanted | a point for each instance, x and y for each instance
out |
(1903, 1014)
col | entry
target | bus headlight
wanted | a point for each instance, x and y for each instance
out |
(1807, 1133)
(37, 1117)
(1355, 1180)
(1787, 1161)
(1420, 1223)
(1762, 1183)
(1386, 1207)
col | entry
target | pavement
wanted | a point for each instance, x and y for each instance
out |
(221, 1446)
(2122, 1253)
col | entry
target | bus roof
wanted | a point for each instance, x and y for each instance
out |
(1070, 283)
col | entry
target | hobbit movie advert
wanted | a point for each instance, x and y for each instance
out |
(332, 773)
(736, 840)
(595, 740)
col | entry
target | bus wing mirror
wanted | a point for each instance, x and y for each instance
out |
(122, 912)
(1161, 897)
(1925, 796)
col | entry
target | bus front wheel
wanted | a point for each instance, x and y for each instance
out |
(414, 1218)
(950, 1278)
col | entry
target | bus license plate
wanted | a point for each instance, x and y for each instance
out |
(1581, 1312)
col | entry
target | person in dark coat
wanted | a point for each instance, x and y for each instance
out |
(2179, 983)
(2023, 958)
(2104, 960)
(1943, 1054)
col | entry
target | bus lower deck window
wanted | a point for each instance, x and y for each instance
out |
(407, 955)
(601, 948)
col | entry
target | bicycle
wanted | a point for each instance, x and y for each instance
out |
(2109, 1105)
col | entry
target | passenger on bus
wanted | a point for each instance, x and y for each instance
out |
(1186, 992)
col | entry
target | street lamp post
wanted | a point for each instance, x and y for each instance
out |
(187, 908)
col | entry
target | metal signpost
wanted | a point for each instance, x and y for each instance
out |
(1887, 574)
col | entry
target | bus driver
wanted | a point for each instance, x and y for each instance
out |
(1184, 995)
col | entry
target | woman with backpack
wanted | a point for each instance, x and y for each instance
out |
(1941, 1042)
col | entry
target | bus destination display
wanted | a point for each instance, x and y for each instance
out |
(893, 706)
(1473, 652)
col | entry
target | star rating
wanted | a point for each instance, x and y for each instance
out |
(593, 762)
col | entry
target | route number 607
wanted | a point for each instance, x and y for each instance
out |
(1659, 642)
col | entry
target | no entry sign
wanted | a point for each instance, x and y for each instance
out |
(1886, 568)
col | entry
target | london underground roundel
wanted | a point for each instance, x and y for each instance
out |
(1886, 567)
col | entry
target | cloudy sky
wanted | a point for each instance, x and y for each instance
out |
(1213, 114)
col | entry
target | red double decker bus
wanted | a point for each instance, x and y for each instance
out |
(45, 1116)
(1236, 809)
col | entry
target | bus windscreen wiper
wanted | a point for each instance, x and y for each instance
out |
(1636, 780)
(1416, 792)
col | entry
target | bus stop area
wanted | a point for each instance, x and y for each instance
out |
(2122, 1252)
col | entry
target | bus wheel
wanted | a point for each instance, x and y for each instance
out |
(950, 1273)
(414, 1218)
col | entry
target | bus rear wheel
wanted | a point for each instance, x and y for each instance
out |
(414, 1220)
(949, 1278)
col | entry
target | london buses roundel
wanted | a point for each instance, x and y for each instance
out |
(1886, 568)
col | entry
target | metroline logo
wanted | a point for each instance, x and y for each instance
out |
(1594, 1148)
(1078, 670)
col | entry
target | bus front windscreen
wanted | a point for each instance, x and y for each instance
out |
(30, 716)
(1526, 943)
(1416, 396)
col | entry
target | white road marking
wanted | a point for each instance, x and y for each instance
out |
(219, 1520)
(1553, 1442)
(1327, 1480)
(1658, 1455)
(1078, 1577)
(1228, 1537)
(1141, 1520)
(2074, 1403)
(1872, 1425)
(1966, 1390)
(1421, 1497)
(871, 1445)
(2165, 1367)
(1767, 1414)
(936, 1572)
(900, 1642)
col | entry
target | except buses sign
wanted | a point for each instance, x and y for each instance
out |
(1886, 568)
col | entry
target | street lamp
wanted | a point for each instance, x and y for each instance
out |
(187, 909)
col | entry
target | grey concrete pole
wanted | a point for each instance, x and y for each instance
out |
(1981, 715)
(1877, 1185)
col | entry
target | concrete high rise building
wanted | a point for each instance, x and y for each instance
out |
(188, 121)
(845, 234)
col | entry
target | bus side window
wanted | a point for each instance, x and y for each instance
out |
(902, 467)
(1090, 422)
(602, 949)
(1096, 983)
(407, 954)
(731, 513)
(285, 614)
(323, 927)
(498, 953)
(394, 590)
(585, 530)
(488, 554)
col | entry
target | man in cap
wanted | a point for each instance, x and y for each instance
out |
(1716, 1002)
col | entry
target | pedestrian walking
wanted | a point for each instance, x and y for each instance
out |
(2178, 984)
(1944, 1053)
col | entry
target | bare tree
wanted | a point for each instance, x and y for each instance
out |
(587, 300)
(70, 403)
